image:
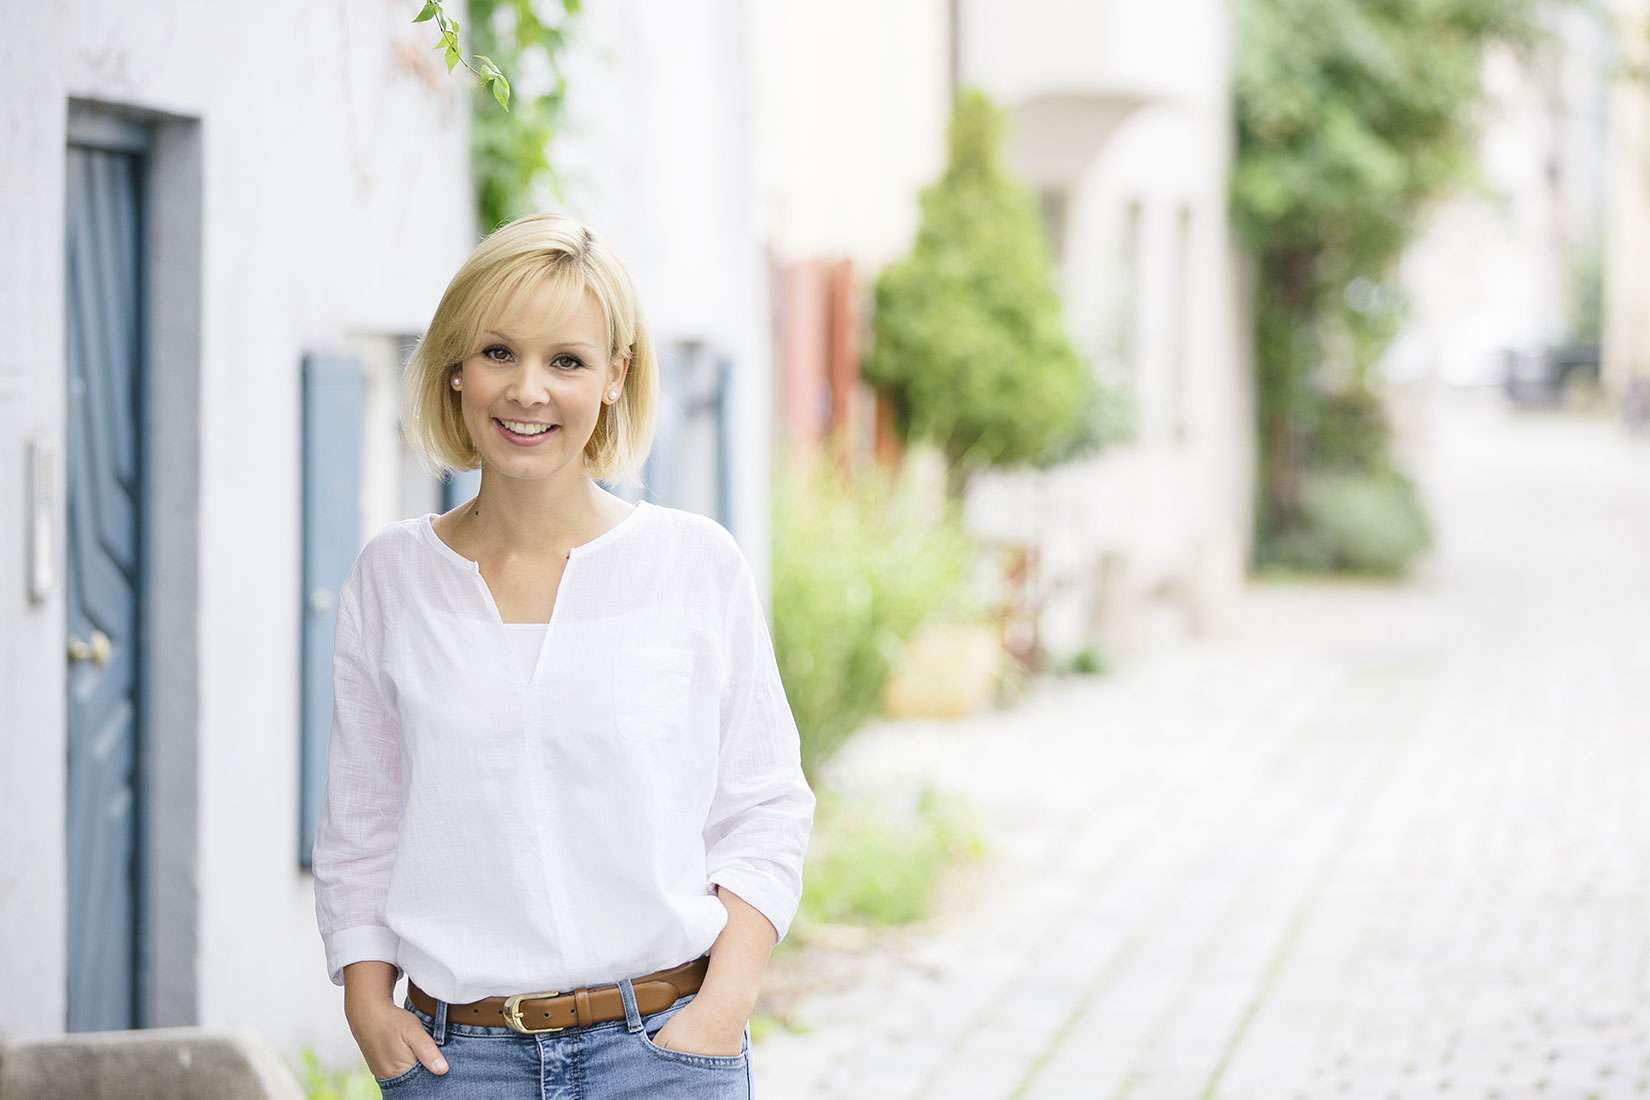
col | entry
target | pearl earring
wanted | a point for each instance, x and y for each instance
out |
(458, 383)
(612, 395)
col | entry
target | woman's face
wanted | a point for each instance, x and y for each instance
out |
(531, 396)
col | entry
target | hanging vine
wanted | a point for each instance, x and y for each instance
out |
(511, 127)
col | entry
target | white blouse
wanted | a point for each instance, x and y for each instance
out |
(494, 831)
(526, 642)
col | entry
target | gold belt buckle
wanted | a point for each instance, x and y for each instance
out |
(512, 1013)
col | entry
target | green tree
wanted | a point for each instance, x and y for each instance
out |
(1353, 118)
(967, 338)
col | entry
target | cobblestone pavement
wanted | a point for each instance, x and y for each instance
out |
(1380, 842)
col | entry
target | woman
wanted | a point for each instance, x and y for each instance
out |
(562, 768)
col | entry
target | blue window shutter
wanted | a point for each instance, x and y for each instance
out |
(459, 487)
(724, 443)
(661, 473)
(690, 465)
(335, 394)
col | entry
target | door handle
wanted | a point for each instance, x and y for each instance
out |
(95, 651)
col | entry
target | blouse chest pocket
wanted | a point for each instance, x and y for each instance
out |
(652, 691)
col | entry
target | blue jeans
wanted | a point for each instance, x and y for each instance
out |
(601, 1062)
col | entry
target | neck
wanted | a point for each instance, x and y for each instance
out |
(551, 515)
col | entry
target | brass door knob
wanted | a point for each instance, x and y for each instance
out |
(95, 651)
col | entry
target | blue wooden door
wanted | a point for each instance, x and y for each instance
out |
(103, 589)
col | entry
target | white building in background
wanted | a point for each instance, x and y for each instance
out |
(1120, 119)
(203, 207)
(849, 108)
(1626, 367)
(1500, 268)
(656, 154)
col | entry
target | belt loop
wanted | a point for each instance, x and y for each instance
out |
(440, 1035)
(581, 1008)
(632, 1016)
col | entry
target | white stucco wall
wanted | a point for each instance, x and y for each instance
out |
(849, 112)
(1494, 268)
(657, 156)
(1030, 48)
(1124, 109)
(334, 200)
(1627, 232)
(1110, 103)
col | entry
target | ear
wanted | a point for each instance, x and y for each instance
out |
(617, 369)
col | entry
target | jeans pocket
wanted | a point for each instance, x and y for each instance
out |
(401, 1078)
(652, 1025)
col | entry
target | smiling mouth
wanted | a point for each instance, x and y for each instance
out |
(523, 427)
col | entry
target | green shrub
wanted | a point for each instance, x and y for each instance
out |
(320, 1083)
(868, 866)
(1087, 661)
(1351, 434)
(968, 340)
(858, 565)
(1360, 523)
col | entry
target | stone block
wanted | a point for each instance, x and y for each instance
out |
(155, 1064)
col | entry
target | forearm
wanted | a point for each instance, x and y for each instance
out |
(737, 959)
(390, 1038)
(368, 983)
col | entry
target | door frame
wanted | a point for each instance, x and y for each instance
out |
(168, 841)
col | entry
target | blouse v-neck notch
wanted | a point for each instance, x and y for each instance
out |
(607, 536)
(502, 628)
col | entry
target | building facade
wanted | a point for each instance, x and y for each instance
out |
(1120, 120)
(656, 154)
(1626, 350)
(199, 199)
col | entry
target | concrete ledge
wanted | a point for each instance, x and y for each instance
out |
(158, 1064)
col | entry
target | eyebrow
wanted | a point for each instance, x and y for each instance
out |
(508, 339)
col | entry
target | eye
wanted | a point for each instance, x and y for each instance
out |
(498, 353)
(567, 362)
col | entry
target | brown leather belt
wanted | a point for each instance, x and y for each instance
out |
(532, 1013)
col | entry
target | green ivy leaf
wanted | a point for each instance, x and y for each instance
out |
(430, 9)
(501, 91)
(452, 58)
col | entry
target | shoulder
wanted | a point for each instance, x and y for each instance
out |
(395, 554)
(394, 545)
(692, 538)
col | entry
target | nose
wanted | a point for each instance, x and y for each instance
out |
(529, 384)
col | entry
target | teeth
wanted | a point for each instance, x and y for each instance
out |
(521, 428)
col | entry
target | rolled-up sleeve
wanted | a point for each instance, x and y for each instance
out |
(756, 834)
(355, 838)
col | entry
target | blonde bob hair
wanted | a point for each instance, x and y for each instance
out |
(518, 257)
